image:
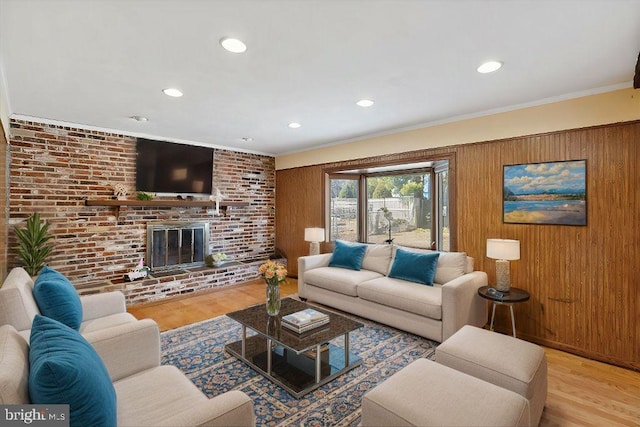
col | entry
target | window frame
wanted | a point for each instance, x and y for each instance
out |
(396, 160)
(356, 169)
(363, 220)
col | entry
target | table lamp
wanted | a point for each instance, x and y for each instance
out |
(503, 251)
(315, 235)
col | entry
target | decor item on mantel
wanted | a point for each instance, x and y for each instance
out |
(141, 195)
(140, 272)
(273, 273)
(120, 190)
(315, 235)
(217, 198)
(503, 251)
(216, 260)
(32, 240)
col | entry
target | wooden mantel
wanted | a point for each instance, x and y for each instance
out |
(164, 203)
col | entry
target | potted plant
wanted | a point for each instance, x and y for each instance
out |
(33, 248)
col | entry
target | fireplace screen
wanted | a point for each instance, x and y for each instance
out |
(173, 245)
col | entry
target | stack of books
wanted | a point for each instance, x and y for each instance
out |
(305, 320)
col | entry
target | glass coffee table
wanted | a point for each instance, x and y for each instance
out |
(297, 362)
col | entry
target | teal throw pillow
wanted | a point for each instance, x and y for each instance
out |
(348, 255)
(414, 266)
(57, 298)
(65, 369)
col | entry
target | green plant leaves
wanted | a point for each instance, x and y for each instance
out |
(32, 240)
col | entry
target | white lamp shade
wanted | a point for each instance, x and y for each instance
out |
(314, 234)
(503, 249)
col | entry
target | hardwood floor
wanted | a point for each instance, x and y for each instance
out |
(202, 306)
(581, 392)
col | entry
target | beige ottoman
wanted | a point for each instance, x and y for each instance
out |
(426, 393)
(502, 360)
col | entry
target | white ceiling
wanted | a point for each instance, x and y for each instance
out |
(96, 63)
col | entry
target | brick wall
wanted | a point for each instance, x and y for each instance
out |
(4, 205)
(54, 169)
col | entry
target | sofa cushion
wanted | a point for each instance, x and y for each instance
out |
(377, 258)
(451, 265)
(337, 280)
(414, 267)
(14, 367)
(144, 400)
(348, 255)
(57, 298)
(65, 369)
(403, 295)
(105, 322)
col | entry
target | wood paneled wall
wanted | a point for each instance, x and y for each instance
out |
(584, 280)
(299, 204)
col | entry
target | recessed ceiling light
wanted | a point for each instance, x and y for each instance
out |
(139, 118)
(233, 45)
(294, 125)
(365, 103)
(172, 92)
(489, 67)
(247, 139)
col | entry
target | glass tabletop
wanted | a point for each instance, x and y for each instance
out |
(257, 319)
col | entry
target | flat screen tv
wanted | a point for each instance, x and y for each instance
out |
(165, 167)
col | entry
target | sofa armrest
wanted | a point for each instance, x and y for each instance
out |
(461, 304)
(306, 263)
(95, 306)
(233, 408)
(17, 309)
(17, 305)
(127, 348)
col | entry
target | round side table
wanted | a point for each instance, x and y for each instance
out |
(515, 295)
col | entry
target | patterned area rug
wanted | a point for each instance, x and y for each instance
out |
(198, 350)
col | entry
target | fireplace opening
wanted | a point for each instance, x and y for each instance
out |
(176, 244)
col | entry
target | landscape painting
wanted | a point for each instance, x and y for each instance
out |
(546, 193)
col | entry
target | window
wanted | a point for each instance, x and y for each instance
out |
(344, 209)
(406, 205)
(399, 209)
(443, 238)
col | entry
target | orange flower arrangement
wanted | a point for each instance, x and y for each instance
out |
(273, 272)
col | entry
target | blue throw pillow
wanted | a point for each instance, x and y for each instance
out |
(65, 369)
(57, 298)
(414, 266)
(348, 255)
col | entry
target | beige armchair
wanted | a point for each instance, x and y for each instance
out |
(147, 393)
(18, 307)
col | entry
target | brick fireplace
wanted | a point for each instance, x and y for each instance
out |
(176, 244)
(54, 169)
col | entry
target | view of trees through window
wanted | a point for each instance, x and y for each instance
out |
(399, 209)
(392, 207)
(344, 209)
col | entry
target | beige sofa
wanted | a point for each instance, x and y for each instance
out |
(147, 393)
(434, 312)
